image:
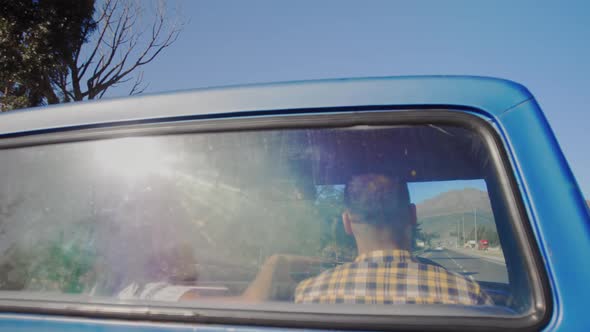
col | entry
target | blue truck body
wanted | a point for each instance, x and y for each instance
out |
(553, 202)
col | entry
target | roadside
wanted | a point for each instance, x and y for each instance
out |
(470, 265)
(491, 255)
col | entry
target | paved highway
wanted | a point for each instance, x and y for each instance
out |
(471, 266)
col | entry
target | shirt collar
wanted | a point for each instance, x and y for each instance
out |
(384, 256)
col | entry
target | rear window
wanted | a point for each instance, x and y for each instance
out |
(307, 219)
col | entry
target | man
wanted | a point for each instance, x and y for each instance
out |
(380, 217)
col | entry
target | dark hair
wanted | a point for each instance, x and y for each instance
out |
(377, 199)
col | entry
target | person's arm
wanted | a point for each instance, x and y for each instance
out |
(276, 269)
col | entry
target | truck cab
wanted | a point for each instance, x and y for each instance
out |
(214, 209)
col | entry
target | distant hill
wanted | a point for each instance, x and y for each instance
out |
(588, 202)
(455, 201)
(443, 213)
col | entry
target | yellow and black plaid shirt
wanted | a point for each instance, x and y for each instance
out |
(390, 277)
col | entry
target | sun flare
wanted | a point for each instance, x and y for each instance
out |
(131, 157)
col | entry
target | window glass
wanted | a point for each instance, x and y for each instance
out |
(449, 213)
(360, 215)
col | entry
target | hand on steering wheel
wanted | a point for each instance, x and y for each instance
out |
(275, 280)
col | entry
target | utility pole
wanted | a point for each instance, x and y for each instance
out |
(457, 230)
(463, 228)
(475, 223)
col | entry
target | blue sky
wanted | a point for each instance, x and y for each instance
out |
(421, 191)
(541, 44)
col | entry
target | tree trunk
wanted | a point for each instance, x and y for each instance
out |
(48, 92)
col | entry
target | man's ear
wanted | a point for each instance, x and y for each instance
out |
(413, 214)
(346, 221)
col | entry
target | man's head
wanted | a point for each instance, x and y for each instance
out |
(378, 212)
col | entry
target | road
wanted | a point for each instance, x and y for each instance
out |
(471, 266)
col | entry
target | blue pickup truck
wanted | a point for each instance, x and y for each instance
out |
(348, 204)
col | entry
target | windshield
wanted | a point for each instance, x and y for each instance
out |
(342, 215)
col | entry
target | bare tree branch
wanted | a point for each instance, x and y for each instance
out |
(62, 84)
(117, 50)
(117, 34)
(105, 16)
(137, 86)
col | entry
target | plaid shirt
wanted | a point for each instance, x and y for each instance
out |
(390, 277)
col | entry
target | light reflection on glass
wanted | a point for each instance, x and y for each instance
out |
(131, 158)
